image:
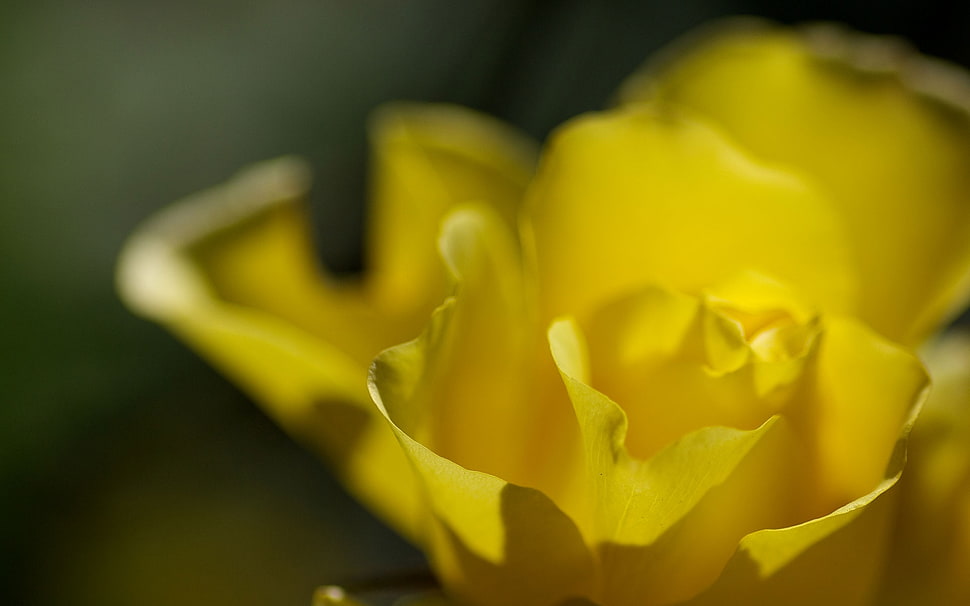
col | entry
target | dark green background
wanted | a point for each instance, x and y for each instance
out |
(131, 474)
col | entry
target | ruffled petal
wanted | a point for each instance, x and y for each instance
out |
(234, 272)
(665, 526)
(885, 132)
(457, 400)
(483, 404)
(646, 195)
(315, 388)
(677, 364)
(666, 523)
(491, 542)
(428, 159)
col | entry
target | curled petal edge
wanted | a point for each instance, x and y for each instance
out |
(781, 564)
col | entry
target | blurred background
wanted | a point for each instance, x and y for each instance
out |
(130, 473)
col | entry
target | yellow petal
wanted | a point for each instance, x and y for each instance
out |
(484, 405)
(677, 365)
(645, 195)
(665, 526)
(864, 390)
(884, 131)
(479, 406)
(490, 542)
(931, 540)
(831, 560)
(457, 399)
(667, 522)
(313, 387)
(427, 159)
(866, 394)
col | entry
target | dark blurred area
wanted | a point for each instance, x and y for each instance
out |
(130, 473)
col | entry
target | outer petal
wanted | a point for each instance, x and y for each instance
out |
(862, 390)
(666, 526)
(883, 130)
(931, 542)
(312, 387)
(233, 271)
(832, 560)
(645, 195)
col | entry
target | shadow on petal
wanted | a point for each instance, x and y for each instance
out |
(840, 568)
(544, 561)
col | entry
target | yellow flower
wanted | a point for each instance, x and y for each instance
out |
(659, 369)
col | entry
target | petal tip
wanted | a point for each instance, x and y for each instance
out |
(153, 277)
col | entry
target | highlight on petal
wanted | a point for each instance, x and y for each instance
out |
(333, 596)
(336, 596)
(880, 129)
(657, 197)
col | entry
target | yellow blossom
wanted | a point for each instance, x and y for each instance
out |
(666, 367)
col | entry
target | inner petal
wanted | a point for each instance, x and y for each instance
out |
(677, 363)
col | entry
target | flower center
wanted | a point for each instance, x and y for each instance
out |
(773, 334)
(676, 362)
